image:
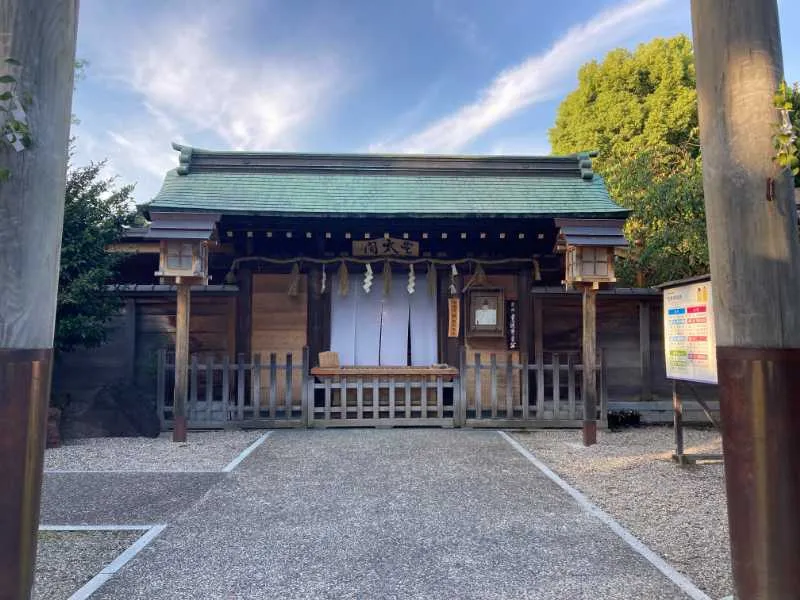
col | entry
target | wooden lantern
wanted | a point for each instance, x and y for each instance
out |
(184, 260)
(590, 264)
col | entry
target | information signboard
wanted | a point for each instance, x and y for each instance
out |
(690, 346)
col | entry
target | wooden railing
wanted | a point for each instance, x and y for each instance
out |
(268, 394)
(387, 397)
(487, 390)
(546, 394)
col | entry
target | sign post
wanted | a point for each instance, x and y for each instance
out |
(690, 347)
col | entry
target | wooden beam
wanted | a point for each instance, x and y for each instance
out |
(755, 259)
(644, 351)
(181, 361)
(589, 349)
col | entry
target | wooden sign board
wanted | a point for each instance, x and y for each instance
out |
(690, 345)
(453, 317)
(385, 247)
(511, 325)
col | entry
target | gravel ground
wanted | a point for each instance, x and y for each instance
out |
(66, 560)
(387, 514)
(204, 451)
(680, 512)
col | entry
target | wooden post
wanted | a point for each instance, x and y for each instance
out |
(677, 418)
(41, 36)
(755, 259)
(181, 361)
(589, 348)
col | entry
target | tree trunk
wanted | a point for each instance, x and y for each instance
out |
(753, 244)
(41, 36)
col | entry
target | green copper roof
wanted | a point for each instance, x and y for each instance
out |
(384, 186)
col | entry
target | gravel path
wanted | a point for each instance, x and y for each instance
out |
(66, 560)
(394, 514)
(204, 451)
(680, 512)
(121, 498)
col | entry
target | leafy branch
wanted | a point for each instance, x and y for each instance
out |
(14, 129)
(787, 101)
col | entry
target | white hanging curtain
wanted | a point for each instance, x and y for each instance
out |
(394, 328)
(343, 322)
(367, 330)
(424, 330)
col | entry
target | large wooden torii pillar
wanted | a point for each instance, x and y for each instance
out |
(755, 267)
(40, 36)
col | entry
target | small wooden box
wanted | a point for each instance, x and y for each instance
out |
(328, 359)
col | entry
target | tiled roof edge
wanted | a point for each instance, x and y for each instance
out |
(199, 160)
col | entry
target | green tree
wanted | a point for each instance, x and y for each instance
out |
(95, 213)
(639, 110)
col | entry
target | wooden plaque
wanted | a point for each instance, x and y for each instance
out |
(385, 247)
(453, 317)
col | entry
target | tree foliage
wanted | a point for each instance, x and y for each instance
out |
(95, 212)
(787, 130)
(639, 110)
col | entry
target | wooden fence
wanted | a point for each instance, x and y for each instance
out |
(383, 401)
(245, 393)
(256, 393)
(546, 394)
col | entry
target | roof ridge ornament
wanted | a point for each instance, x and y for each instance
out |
(184, 158)
(585, 164)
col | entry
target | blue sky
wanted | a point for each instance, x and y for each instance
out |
(443, 76)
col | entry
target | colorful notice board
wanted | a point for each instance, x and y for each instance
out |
(690, 346)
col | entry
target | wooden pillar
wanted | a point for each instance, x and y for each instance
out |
(524, 329)
(244, 311)
(755, 259)
(538, 353)
(181, 361)
(589, 348)
(644, 351)
(41, 36)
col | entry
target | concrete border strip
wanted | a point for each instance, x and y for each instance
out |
(682, 582)
(96, 527)
(246, 452)
(96, 582)
(117, 472)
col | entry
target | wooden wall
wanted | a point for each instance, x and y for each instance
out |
(279, 321)
(212, 330)
(83, 373)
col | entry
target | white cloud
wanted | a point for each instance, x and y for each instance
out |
(539, 78)
(185, 78)
(198, 77)
(143, 152)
